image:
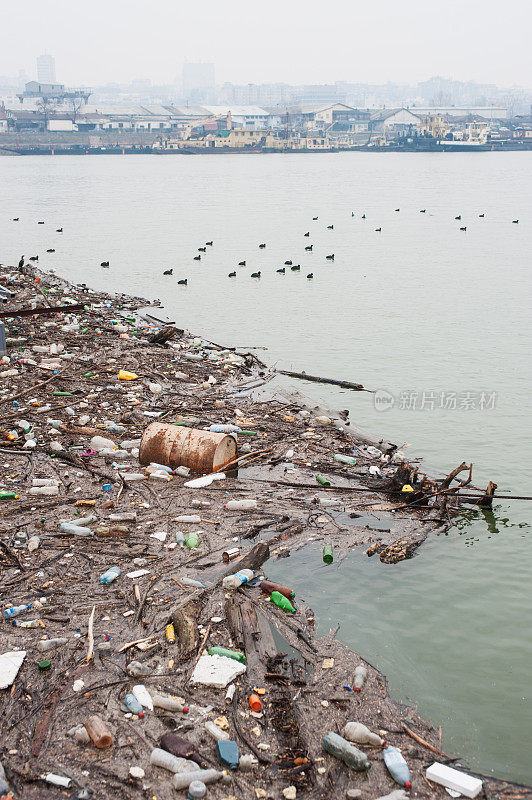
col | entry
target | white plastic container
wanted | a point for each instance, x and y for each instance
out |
(167, 702)
(44, 491)
(451, 778)
(357, 732)
(183, 780)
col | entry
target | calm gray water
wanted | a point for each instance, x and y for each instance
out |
(431, 314)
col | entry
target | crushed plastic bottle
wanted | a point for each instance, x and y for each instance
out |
(397, 766)
(138, 670)
(143, 696)
(228, 753)
(110, 575)
(225, 428)
(183, 780)
(237, 579)
(340, 748)
(44, 491)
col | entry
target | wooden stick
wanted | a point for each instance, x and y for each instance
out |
(422, 742)
(90, 635)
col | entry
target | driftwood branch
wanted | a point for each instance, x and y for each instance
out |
(357, 387)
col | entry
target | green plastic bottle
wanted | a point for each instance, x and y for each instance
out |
(236, 655)
(328, 554)
(192, 540)
(8, 496)
(322, 480)
(350, 460)
(282, 602)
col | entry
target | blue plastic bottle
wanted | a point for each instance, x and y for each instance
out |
(9, 613)
(110, 575)
(397, 766)
(133, 705)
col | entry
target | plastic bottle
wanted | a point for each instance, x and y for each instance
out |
(110, 575)
(14, 611)
(45, 482)
(99, 732)
(268, 587)
(357, 732)
(397, 766)
(137, 670)
(196, 790)
(225, 428)
(9, 496)
(192, 582)
(238, 578)
(228, 753)
(4, 786)
(183, 780)
(133, 705)
(350, 460)
(160, 467)
(240, 505)
(164, 759)
(340, 748)
(170, 633)
(328, 556)
(323, 481)
(50, 644)
(179, 746)
(192, 540)
(236, 655)
(75, 530)
(143, 696)
(44, 491)
(361, 674)
(191, 518)
(168, 702)
(216, 732)
(281, 601)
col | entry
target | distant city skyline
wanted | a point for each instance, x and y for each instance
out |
(294, 43)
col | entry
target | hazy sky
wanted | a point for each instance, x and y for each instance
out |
(294, 41)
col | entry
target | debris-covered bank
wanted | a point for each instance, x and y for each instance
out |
(112, 589)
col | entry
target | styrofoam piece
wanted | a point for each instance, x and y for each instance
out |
(217, 671)
(10, 663)
(454, 779)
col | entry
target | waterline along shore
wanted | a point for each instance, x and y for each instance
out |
(115, 573)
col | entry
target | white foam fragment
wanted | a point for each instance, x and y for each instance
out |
(10, 663)
(217, 671)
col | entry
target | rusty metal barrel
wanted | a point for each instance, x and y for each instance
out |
(176, 446)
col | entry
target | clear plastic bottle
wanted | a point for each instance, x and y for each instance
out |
(99, 732)
(75, 530)
(397, 766)
(50, 644)
(359, 733)
(192, 540)
(162, 758)
(217, 733)
(228, 428)
(169, 703)
(183, 780)
(191, 582)
(340, 748)
(238, 578)
(361, 674)
(14, 611)
(241, 505)
(44, 491)
(137, 670)
(349, 460)
(110, 575)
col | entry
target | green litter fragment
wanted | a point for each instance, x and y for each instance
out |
(62, 394)
(249, 433)
(44, 665)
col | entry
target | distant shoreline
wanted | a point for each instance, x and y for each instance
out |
(7, 151)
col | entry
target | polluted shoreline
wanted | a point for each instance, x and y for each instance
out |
(148, 477)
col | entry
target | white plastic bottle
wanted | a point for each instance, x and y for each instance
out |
(217, 733)
(44, 491)
(238, 578)
(240, 505)
(183, 780)
(161, 758)
(361, 674)
(143, 696)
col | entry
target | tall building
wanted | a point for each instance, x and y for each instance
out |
(197, 77)
(46, 69)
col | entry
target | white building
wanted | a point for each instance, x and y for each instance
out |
(252, 117)
(46, 69)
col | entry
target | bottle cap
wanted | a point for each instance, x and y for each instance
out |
(408, 785)
(44, 665)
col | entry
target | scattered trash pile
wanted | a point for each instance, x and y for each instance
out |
(147, 477)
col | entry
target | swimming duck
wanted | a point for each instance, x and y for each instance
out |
(310, 275)
(184, 282)
(104, 264)
(282, 270)
(241, 263)
(255, 274)
(168, 272)
(331, 257)
(310, 246)
(232, 275)
(262, 246)
(197, 258)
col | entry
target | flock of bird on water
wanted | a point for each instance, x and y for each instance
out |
(281, 270)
